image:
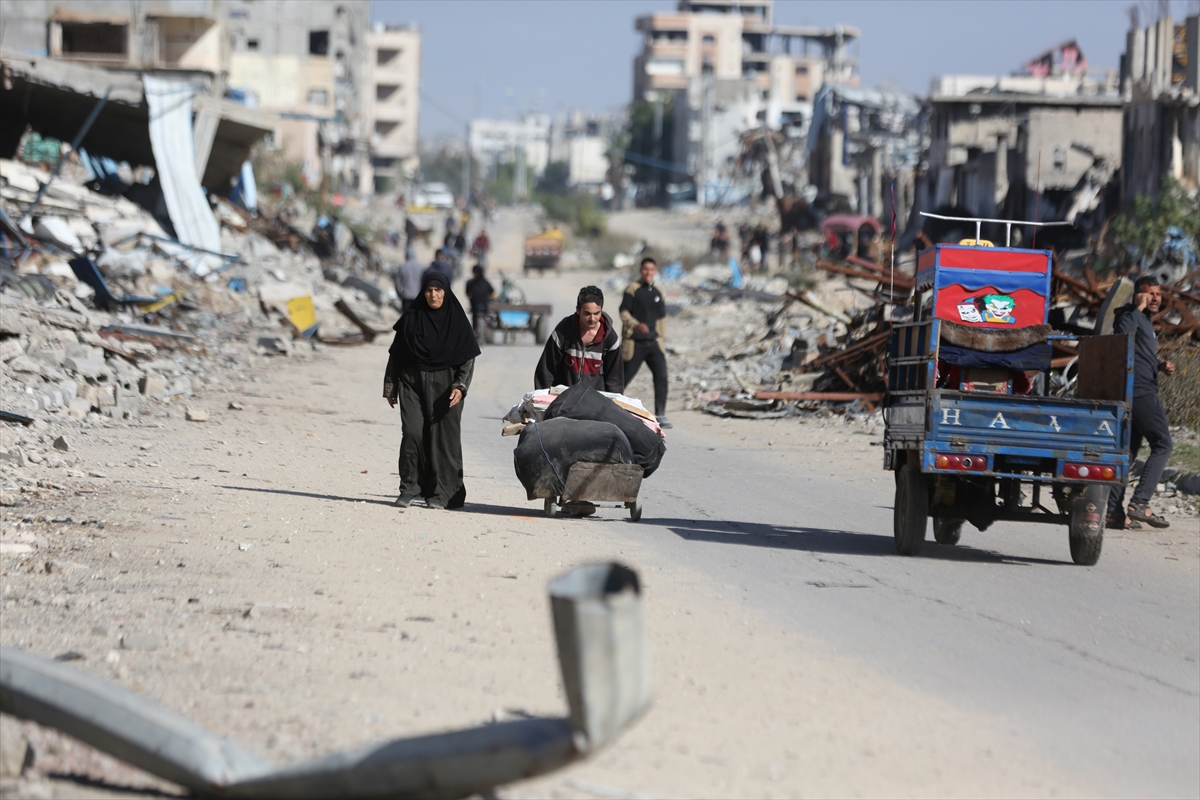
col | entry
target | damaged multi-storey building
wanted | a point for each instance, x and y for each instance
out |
(1045, 144)
(1160, 82)
(863, 148)
(132, 85)
(728, 68)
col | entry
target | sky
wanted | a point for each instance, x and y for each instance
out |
(499, 58)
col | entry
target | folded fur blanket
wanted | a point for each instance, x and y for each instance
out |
(993, 340)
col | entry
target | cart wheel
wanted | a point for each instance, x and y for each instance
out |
(541, 331)
(548, 507)
(1086, 534)
(911, 510)
(493, 336)
(947, 531)
(635, 511)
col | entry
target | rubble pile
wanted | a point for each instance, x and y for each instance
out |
(766, 350)
(106, 319)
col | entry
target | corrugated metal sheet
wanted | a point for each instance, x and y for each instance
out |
(170, 104)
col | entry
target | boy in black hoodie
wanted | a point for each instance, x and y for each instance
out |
(584, 348)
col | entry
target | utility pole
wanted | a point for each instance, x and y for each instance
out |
(466, 165)
(519, 188)
(706, 109)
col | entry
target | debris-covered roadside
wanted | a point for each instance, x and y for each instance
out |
(756, 347)
(109, 320)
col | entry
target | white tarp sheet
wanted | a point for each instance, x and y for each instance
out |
(170, 103)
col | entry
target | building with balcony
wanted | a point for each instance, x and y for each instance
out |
(392, 100)
(305, 62)
(728, 67)
(737, 40)
(178, 35)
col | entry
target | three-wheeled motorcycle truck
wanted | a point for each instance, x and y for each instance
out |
(972, 432)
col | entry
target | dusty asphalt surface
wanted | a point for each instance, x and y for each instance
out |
(794, 654)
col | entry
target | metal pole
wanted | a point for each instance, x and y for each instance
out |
(466, 165)
(87, 125)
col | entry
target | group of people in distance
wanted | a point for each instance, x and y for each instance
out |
(432, 359)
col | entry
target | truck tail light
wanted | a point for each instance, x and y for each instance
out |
(964, 463)
(1089, 472)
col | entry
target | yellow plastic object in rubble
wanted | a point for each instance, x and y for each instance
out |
(302, 314)
(976, 243)
(158, 305)
(555, 232)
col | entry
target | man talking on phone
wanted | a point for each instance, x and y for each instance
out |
(1148, 418)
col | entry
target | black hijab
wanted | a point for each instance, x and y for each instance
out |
(433, 339)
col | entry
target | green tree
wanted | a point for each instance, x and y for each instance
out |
(443, 166)
(555, 180)
(1139, 235)
(502, 185)
(647, 147)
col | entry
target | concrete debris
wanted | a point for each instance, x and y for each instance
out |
(72, 360)
(760, 349)
(14, 752)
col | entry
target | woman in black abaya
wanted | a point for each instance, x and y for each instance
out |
(429, 370)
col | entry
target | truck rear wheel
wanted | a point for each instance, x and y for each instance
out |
(911, 510)
(1086, 534)
(947, 531)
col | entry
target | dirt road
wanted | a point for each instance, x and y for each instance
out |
(299, 612)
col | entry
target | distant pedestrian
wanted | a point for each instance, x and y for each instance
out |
(407, 279)
(644, 319)
(1149, 421)
(479, 293)
(481, 247)
(441, 264)
(430, 365)
(583, 348)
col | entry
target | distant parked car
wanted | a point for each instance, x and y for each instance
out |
(433, 195)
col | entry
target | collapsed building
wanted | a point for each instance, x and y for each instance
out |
(1045, 144)
(1160, 83)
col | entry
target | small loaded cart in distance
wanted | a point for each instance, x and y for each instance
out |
(972, 430)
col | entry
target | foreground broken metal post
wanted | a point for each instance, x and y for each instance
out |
(606, 671)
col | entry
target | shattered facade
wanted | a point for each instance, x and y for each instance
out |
(994, 141)
(306, 62)
(174, 35)
(860, 142)
(730, 68)
(1160, 81)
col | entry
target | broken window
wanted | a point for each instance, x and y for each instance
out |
(318, 97)
(97, 40)
(385, 56)
(252, 44)
(318, 43)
